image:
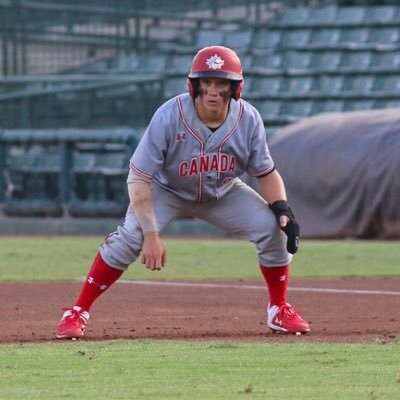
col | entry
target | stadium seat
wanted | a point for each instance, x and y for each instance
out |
(239, 40)
(266, 85)
(388, 103)
(386, 60)
(294, 16)
(350, 15)
(266, 38)
(153, 62)
(179, 64)
(357, 60)
(322, 15)
(326, 106)
(329, 84)
(296, 109)
(381, 14)
(356, 104)
(267, 61)
(205, 38)
(269, 109)
(295, 37)
(358, 84)
(297, 59)
(326, 60)
(354, 36)
(297, 84)
(387, 83)
(385, 35)
(174, 86)
(325, 36)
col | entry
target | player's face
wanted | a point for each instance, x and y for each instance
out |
(215, 93)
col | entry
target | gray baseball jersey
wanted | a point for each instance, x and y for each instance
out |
(194, 172)
(183, 156)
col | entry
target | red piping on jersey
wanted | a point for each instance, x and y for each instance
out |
(228, 136)
(198, 139)
(140, 172)
(265, 172)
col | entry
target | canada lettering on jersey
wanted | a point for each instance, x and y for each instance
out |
(207, 163)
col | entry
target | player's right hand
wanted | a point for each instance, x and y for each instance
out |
(154, 254)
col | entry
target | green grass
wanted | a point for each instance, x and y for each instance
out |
(214, 370)
(145, 369)
(68, 258)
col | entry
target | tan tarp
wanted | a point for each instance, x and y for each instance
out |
(342, 173)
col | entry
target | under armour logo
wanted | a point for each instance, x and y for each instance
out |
(278, 321)
(92, 282)
(181, 137)
(282, 278)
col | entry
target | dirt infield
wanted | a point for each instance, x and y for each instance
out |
(29, 312)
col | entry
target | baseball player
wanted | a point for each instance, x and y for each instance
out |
(188, 163)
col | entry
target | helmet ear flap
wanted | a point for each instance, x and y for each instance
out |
(193, 86)
(237, 88)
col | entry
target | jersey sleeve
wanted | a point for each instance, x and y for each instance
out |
(260, 162)
(149, 155)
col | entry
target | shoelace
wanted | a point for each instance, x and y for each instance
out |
(289, 312)
(71, 313)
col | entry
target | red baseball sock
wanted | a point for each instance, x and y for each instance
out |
(277, 280)
(100, 277)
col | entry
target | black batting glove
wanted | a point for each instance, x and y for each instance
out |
(292, 228)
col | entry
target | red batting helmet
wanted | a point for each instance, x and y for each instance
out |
(216, 62)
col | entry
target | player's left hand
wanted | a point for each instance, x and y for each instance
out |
(287, 222)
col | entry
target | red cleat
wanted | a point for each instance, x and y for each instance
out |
(286, 319)
(73, 323)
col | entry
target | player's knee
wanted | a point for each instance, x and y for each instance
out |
(121, 248)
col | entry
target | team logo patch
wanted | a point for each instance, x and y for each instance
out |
(215, 62)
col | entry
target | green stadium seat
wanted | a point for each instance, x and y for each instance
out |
(295, 109)
(358, 84)
(269, 109)
(205, 38)
(83, 162)
(266, 38)
(386, 60)
(388, 103)
(179, 64)
(322, 15)
(350, 15)
(266, 85)
(327, 106)
(354, 36)
(325, 36)
(360, 60)
(329, 84)
(295, 16)
(387, 83)
(356, 105)
(240, 41)
(296, 37)
(385, 35)
(297, 59)
(297, 84)
(267, 61)
(381, 14)
(153, 63)
(326, 60)
(124, 63)
(174, 86)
